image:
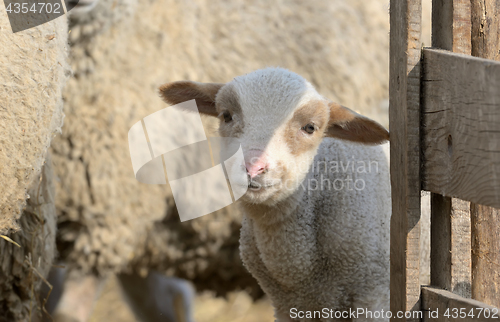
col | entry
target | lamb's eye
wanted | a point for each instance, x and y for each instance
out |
(309, 128)
(227, 117)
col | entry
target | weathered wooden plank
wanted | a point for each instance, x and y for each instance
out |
(486, 29)
(460, 248)
(450, 245)
(450, 229)
(451, 25)
(461, 127)
(404, 92)
(437, 304)
(486, 220)
(485, 254)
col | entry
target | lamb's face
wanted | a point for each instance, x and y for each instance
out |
(279, 120)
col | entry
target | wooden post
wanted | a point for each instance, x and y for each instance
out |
(450, 245)
(486, 220)
(404, 119)
(486, 29)
(485, 254)
(451, 25)
(450, 219)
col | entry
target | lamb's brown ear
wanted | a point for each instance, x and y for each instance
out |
(349, 125)
(203, 93)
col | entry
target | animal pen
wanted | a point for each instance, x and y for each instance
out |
(445, 138)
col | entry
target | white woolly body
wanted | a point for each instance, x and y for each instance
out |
(311, 247)
(325, 248)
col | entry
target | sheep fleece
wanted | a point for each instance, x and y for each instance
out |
(340, 237)
(34, 72)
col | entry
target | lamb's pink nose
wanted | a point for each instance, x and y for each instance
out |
(255, 162)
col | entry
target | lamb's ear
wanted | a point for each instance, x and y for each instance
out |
(203, 93)
(349, 125)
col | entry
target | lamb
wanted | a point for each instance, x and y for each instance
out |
(312, 249)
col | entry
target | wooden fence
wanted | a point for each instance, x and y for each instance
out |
(445, 138)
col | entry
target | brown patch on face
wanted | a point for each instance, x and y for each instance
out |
(315, 112)
(348, 125)
(227, 101)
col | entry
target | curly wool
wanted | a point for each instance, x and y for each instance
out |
(332, 249)
(34, 72)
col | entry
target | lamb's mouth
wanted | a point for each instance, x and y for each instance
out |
(257, 186)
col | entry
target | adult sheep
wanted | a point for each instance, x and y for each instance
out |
(33, 73)
(122, 51)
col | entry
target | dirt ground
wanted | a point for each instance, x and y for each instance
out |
(111, 307)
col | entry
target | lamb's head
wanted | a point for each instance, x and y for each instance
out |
(279, 120)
